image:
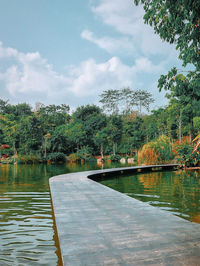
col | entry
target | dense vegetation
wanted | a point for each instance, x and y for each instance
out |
(51, 132)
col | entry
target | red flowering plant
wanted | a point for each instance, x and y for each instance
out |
(4, 146)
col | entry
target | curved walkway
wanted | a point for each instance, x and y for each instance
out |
(100, 226)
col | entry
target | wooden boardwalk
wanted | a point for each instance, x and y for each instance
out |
(100, 226)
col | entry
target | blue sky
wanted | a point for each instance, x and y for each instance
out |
(70, 51)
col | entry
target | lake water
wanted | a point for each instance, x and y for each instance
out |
(177, 192)
(26, 225)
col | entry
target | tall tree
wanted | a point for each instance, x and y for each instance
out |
(22, 109)
(134, 134)
(114, 131)
(3, 105)
(76, 135)
(110, 100)
(185, 90)
(142, 98)
(59, 141)
(92, 120)
(53, 115)
(176, 22)
(126, 99)
(101, 140)
(30, 134)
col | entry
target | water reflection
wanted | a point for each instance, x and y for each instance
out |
(26, 225)
(177, 192)
(26, 235)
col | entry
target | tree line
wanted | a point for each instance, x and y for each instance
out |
(114, 128)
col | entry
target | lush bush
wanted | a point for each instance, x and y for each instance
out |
(29, 159)
(184, 155)
(81, 154)
(84, 153)
(6, 160)
(56, 157)
(115, 158)
(91, 160)
(156, 152)
(194, 160)
(73, 157)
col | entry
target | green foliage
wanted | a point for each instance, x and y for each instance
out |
(176, 22)
(81, 154)
(76, 134)
(51, 116)
(29, 159)
(133, 133)
(196, 123)
(184, 91)
(56, 157)
(114, 131)
(100, 139)
(84, 153)
(83, 112)
(90, 160)
(49, 131)
(59, 140)
(73, 157)
(115, 157)
(184, 154)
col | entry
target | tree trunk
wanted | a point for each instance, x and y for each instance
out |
(140, 108)
(114, 149)
(45, 148)
(190, 136)
(179, 127)
(101, 151)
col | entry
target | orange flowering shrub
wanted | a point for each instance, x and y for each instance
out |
(148, 156)
(156, 152)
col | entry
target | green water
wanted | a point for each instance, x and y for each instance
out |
(26, 226)
(177, 192)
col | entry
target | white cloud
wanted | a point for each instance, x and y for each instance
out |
(28, 74)
(120, 14)
(7, 52)
(127, 19)
(90, 78)
(29, 77)
(111, 45)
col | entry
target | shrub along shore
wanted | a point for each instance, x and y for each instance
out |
(159, 151)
